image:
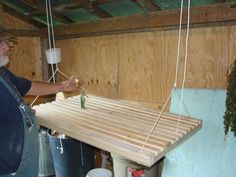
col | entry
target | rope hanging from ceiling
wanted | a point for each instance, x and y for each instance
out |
(176, 74)
(51, 42)
(104, 123)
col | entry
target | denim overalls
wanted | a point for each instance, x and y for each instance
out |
(30, 155)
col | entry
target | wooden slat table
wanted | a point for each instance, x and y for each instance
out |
(117, 126)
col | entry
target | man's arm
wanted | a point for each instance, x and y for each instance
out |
(44, 88)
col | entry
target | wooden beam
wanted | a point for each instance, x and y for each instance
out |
(1, 14)
(20, 16)
(105, 1)
(98, 11)
(92, 6)
(36, 4)
(147, 4)
(34, 14)
(199, 15)
(45, 68)
(66, 6)
(27, 33)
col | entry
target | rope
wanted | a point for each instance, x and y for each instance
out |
(158, 118)
(185, 67)
(176, 73)
(53, 38)
(179, 41)
(49, 36)
(49, 44)
(47, 82)
(50, 22)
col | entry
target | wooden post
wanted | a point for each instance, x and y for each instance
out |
(1, 14)
(45, 74)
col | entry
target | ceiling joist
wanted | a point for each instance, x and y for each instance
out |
(66, 6)
(1, 14)
(147, 4)
(199, 15)
(27, 33)
(20, 16)
(104, 1)
(40, 7)
(92, 6)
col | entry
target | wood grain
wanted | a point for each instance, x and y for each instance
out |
(141, 66)
(117, 126)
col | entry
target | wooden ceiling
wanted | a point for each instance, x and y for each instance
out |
(85, 17)
(63, 11)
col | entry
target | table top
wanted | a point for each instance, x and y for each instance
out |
(118, 127)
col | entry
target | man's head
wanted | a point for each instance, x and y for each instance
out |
(6, 43)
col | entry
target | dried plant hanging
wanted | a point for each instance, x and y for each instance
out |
(230, 113)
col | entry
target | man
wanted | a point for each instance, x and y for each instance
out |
(18, 125)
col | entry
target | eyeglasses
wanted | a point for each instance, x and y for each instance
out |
(10, 44)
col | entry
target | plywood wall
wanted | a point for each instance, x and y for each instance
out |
(25, 58)
(141, 66)
(25, 61)
(95, 60)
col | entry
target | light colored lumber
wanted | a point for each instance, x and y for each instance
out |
(117, 127)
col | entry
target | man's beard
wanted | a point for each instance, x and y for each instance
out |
(4, 60)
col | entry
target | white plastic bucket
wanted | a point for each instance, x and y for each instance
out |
(99, 172)
(53, 55)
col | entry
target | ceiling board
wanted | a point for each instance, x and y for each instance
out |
(79, 11)
(199, 15)
(91, 14)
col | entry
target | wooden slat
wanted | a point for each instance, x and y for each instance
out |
(112, 132)
(124, 126)
(142, 119)
(117, 127)
(133, 119)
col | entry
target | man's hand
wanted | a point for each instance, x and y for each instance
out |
(71, 84)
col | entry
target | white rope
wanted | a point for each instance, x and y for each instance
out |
(49, 37)
(63, 74)
(49, 43)
(176, 73)
(184, 105)
(179, 41)
(50, 23)
(149, 134)
(175, 82)
(185, 67)
(53, 38)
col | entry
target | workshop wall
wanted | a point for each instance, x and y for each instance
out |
(141, 66)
